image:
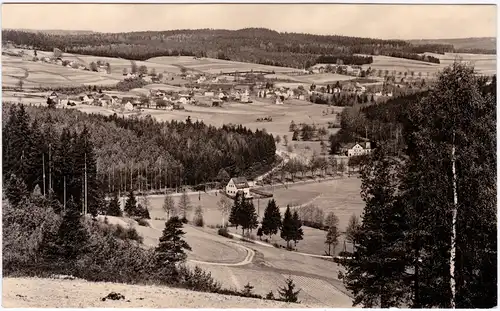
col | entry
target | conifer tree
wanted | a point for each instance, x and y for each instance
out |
(16, 190)
(377, 274)
(288, 293)
(271, 222)
(298, 233)
(72, 238)
(131, 204)
(114, 206)
(248, 217)
(171, 249)
(288, 227)
(236, 210)
(247, 290)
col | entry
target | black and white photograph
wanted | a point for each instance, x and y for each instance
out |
(257, 155)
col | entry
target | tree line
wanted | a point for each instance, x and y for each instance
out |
(428, 236)
(124, 154)
(257, 45)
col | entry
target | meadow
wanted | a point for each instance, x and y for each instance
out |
(484, 64)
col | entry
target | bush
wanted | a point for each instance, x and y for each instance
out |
(224, 233)
(198, 280)
(184, 220)
(143, 222)
(198, 222)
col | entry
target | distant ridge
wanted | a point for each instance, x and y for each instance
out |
(474, 43)
(55, 31)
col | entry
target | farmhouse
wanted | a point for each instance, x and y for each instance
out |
(238, 184)
(356, 149)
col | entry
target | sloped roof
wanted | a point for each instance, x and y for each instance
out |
(351, 145)
(240, 182)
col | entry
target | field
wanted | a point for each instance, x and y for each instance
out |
(484, 63)
(212, 65)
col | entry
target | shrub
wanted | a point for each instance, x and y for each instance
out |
(198, 280)
(143, 222)
(184, 220)
(224, 233)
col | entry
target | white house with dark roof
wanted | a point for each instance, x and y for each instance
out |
(356, 149)
(238, 184)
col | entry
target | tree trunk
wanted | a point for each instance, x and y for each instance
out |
(453, 228)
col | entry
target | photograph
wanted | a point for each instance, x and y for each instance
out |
(257, 155)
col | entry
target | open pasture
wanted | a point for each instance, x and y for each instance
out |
(247, 114)
(484, 63)
(43, 74)
(214, 66)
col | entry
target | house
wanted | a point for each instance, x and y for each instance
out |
(128, 106)
(356, 149)
(302, 97)
(279, 100)
(209, 94)
(238, 184)
(201, 79)
(183, 100)
(222, 96)
(216, 102)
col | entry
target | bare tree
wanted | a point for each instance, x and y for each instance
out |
(224, 205)
(169, 206)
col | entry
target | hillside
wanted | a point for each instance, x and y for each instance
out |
(464, 45)
(254, 45)
(55, 293)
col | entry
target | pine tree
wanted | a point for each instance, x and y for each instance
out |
(288, 227)
(169, 206)
(248, 217)
(16, 190)
(171, 249)
(271, 222)
(184, 205)
(236, 210)
(298, 233)
(131, 204)
(114, 206)
(247, 290)
(72, 239)
(377, 274)
(288, 293)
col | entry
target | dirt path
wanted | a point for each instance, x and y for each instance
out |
(248, 259)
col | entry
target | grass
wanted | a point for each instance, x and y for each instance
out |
(484, 64)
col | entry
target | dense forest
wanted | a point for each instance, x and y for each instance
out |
(255, 45)
(124, 153)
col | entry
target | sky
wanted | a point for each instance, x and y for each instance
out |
(382, 21)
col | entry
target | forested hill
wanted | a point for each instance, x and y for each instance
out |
(256, 45)
(152, 153)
